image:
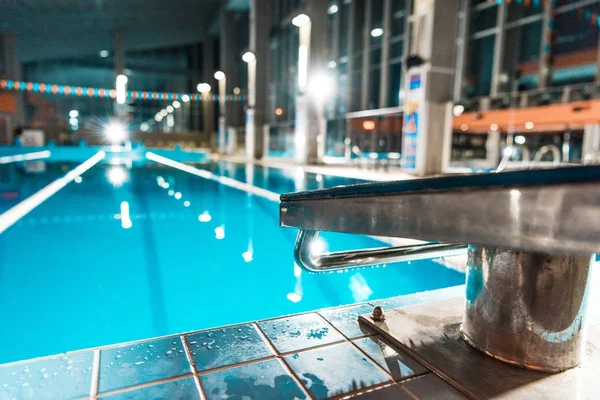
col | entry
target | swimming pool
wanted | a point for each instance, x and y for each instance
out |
(140, 250)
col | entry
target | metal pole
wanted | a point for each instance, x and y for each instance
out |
(527, 308)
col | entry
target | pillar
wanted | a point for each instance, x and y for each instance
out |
(545, 72)
(429, 86)
(590, 151)
(229, 60)
(384, 81)
(310, 110)
(12, 70)
(208, 103)
(498, 49)
(194, 106)
(256, 113)
(492, 148)
(120, 110)
(462, 47)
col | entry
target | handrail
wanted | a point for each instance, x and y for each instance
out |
(367, 257)
(542, 151)
(508, 153)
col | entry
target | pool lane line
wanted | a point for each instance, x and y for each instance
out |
(246, 187)
(23, 208)
(37, 155)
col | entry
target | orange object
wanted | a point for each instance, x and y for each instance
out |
(8, 102)
(369, 125)
(279, 111)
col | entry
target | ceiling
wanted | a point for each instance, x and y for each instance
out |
(64, 28)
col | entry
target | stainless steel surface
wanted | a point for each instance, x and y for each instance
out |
(509, 151)
(557, 219)
(556, 156)
(527, 308)
(325, 262)
(430, 333)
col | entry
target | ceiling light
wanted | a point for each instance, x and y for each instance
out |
(333, 9)
(185, 98)
(219, 75)
(203, 87)
(248, 57)
(176, 104)
(301, 20)
(377, 32)
(529, 125)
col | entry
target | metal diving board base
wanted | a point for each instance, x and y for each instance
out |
(531, 235)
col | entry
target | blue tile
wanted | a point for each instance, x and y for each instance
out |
(130, 365)
(391, 392)
(346, 320)
(58, 377)
(431, 386)
(335, 370)
(299, 332)
(262, 380)
(181, 389)
(227, 346)
(397, 363)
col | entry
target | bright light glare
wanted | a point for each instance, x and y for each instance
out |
(529, 125)
(144, 127)
(73, 121)
(248, 57)
(115, 132)
(464, 127)
(170, 120)
(203, 87)
(204, 217)
(176, 104)
(301, 20)
(294, 297)
(319, 178)
(377, 32)
(178, 195)
(333, 9)
(317, 246)
(73, 113)
(158, 117)
(186, 203)
(519, 139)
(220, 232)
(163, 113)
(332, 64)
(219, 75)
(321, 86)
(185, 98)
(494, 127)
(103, 53)
(125, 219)
(236, 91)
(170, 109)
(297, 271)
(458, 110)
(302, 66)
(78, 179)
(121, 87)
(507, 151)
(117, 176)
(247, 256)
(171, 192)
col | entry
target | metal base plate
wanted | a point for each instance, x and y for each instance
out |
(430, 333)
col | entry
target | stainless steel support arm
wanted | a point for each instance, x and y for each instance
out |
(366, 257)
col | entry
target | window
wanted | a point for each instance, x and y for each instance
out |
(483, 19)
(479, 69)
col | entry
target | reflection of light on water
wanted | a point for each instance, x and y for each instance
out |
(247, 256)
(317, 246)
(178, 195)
(359, 288)
(297, 271)
(294, 297)
(319, 178)
(117, 176)
(125, 219)
(171, 192)
(186, 203)
(78, 179)
(220, 232)
(204, 217)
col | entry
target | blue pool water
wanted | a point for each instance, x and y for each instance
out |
(72, 277)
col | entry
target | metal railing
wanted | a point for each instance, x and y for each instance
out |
(306, 258)
(509, 151)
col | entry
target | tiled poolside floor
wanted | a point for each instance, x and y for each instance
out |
(324, 354)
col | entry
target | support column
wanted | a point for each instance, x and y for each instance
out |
(230, 59)
(590, 151)
(545, 72)
(120, 110)
(311, 123)
(208, 103)
(492, 147)
(195, 107)
(12, 71)
(256, 114)
(384, 82)
(498, 49)
(462, 48)
(526, 308)
(366, 57)
(429, 86)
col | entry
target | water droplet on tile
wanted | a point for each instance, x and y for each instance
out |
(26, 370)
(145, 358)
(169, 352)
(194, 342)
(118, 356)
(131, 349)
(139, 362)
(42, 370)
(25, 384)
(151, 345)
(69, 367)
(54, 374)
(295, 356)
(239, 330)
(181, 351)
(320, 358)
(5, 385)
(46, 376)
(204, 344)
(210, 333)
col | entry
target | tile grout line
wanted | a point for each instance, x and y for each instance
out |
(410, 393)
(144, 385)
(188, 355)
(95, 374)
(282, 360)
